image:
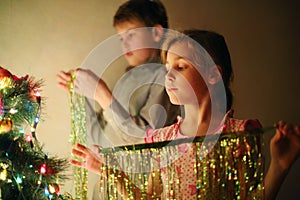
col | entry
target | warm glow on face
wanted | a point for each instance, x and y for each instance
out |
(184, 83)
(137, 42)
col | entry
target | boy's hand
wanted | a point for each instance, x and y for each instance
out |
(86, 83)
(64, 79)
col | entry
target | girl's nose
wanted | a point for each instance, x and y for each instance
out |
(170, 75)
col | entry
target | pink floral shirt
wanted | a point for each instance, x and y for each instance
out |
(184, 164)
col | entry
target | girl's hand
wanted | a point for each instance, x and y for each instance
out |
(285, 145)
(89, 159)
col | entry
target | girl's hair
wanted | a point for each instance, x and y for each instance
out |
(214, 44)
(149, 12)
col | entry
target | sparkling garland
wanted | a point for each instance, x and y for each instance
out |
(78, 135)
(230, 168)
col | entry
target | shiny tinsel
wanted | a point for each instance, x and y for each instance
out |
(78, 135)
(224, 166)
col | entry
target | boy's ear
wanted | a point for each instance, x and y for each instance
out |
(214, 74)
(157, 32)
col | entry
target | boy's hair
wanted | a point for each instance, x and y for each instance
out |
(149, 12)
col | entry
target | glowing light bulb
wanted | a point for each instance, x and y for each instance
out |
(3, 175)
(38, 97)
(19, 180)
(13, 111)
(51, 189)
(36, 119)
(46, 191)
(28, 138)
(43, 169)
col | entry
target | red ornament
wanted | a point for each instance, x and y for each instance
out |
(5, 73)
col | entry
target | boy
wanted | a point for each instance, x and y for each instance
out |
(130, 21)
(130, 105)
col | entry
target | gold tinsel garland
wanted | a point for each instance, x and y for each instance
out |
(226, 166)
(78, 135)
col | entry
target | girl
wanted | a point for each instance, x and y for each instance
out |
(202, 86)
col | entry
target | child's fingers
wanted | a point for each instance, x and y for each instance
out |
(63, 86)
(81, 148)
(63, 76)
(77, 163)
(63, 79)
(280, 124)
(297, 129)
(287, 129)
(284, 128)
(78, 153)
(279, 130)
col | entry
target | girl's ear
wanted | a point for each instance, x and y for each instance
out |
(214, 74)
(157, 32)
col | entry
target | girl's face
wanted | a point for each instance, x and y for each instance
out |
(184, 83)
(137, 41)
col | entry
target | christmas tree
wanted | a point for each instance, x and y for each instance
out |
(26, 172)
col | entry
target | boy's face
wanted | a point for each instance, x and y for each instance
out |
(137, 41)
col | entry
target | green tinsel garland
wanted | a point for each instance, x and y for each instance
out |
(78, 135)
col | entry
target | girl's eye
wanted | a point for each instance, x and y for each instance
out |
(181, 67)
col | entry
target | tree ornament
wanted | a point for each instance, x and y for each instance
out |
(5, 73)
(6, 125)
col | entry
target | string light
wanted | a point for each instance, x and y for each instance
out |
(19, 179)
(12, 111)
(43, 169)
(21, 131)
(46, 191)
(51, 189)
(28, 138)
(38, 97)
(3, 174)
